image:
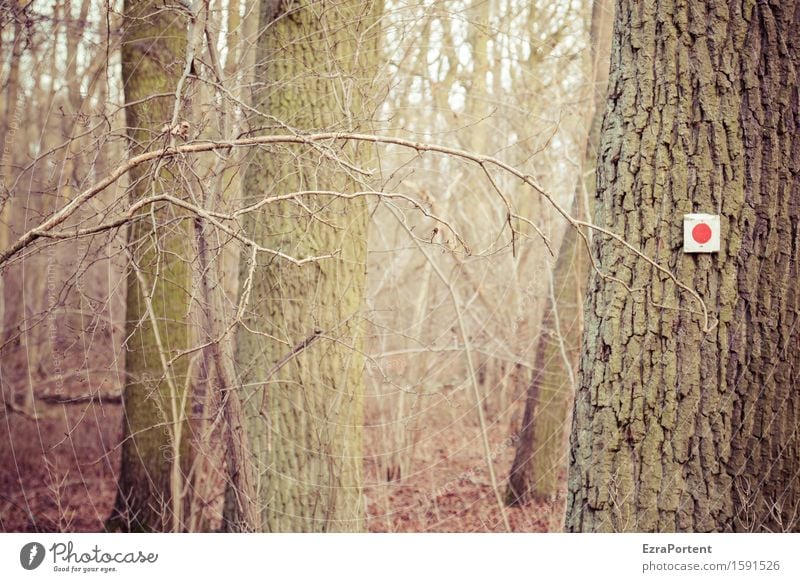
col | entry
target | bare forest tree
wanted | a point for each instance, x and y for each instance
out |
(686, 414)
(540, 456)
(299, 350)
(155, 450)
(485, 79)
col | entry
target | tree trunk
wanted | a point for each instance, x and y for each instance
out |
(155, 444)
(299, 350)
(677, 428)
(9, 132)
(540, 456)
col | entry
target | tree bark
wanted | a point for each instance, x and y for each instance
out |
(155, 445)
(299, 350)
(677, 428)
(540, 455)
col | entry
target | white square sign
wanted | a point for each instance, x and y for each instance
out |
(701, 233)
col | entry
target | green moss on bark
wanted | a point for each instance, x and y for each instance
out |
(153, 52)
(317, 63)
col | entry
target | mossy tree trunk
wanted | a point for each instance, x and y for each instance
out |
(541, 452)
(155, 445)
(676, 428)
(299, 350)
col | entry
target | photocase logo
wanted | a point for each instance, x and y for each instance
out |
(31, 555)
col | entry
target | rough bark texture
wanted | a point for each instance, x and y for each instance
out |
(153, 53)
(540, 456)
(675, 429)
(299, 351)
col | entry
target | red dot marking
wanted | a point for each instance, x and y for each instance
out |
(701, 233)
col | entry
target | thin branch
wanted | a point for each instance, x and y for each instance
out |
(312, 139)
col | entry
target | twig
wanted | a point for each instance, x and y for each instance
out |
(282, 362)
(312, 140)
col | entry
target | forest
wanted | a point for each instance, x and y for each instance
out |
(400, 266)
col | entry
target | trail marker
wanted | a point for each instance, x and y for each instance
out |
(701, 233)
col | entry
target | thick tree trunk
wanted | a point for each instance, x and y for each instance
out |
(676, 428)
(155, 444)
(299, 350)
(541, 451)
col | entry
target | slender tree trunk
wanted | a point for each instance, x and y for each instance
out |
(679, 426)
(10, 126)
(541, 451)
(154, 450)
(299, 350)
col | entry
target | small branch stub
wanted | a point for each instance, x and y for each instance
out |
(701, 233)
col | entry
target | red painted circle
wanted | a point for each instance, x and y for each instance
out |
(701, 233)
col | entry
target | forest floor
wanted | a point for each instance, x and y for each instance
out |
(58, 472)
(443, 483)
(58, 468)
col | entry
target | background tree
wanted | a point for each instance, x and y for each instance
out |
(9, 126)
(156, 394)
(63, 324)
(299, 348)
(540, 454)
(686, 416)
(496, 78)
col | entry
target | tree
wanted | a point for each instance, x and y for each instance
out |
(9, 126)
(539, 457)
(155, 443)
(299, 346)
(686, 414)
